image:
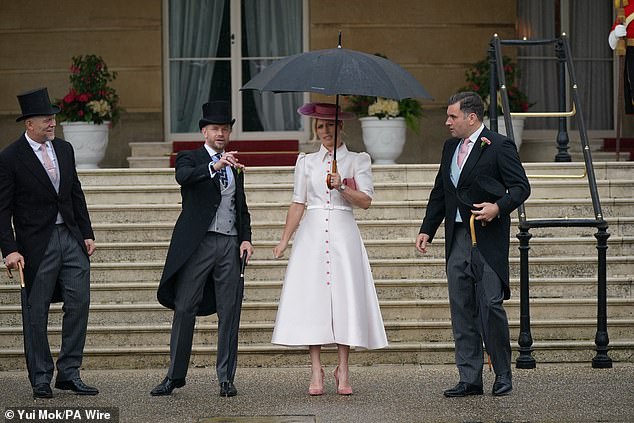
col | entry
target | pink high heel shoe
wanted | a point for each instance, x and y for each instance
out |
(344, 390)
(317, 390)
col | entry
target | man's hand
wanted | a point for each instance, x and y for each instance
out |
(229, 158)
(246, 246)
(487, 212)
(421, 242)
(90, 246)
(618, 32)
(13, 259)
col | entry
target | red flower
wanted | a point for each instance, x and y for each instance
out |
(69, 98)
(80, 113)
(83, 97)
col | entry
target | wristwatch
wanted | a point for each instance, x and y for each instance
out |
(343, 187)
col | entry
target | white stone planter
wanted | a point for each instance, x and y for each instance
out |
(88, 140)
(518, 129)
(383, 138)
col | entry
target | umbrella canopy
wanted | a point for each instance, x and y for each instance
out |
(338, 71)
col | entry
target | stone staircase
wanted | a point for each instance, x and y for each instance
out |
(134, 210)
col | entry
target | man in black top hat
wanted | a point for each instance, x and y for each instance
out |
(202, 271)
(51, 239)
(471, 160)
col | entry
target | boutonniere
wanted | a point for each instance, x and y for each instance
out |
(485, 141)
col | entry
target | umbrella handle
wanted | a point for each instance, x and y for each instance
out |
(243, 263)
(329, 176)
(472, 227)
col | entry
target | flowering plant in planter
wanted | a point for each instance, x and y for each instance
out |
(384, 108)
(477, 77)
(89, 98)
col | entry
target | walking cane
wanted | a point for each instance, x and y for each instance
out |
(21, 274)
(474, 244)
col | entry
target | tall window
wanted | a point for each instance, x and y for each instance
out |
(587, 24)
(216, 46)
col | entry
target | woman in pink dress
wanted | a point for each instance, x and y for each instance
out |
(328, 296)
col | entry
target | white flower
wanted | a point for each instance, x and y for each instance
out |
(101, 107)
(383, 107)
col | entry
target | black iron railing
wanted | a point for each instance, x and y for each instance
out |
(498, 82)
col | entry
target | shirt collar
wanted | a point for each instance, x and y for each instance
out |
(473, 137)
(324, 153)
(211, 151)
(36, 145)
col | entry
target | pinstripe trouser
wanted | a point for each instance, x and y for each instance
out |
(64, 263)
(218, 257)
(477, 313)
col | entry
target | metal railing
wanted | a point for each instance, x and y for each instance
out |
(498, 81)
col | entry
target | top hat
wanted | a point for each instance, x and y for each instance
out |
(36, 103)
(216, 113)
(324, 111)
(484, 189)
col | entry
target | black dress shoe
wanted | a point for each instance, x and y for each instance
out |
(227, 389)
(167, 386)
(462, 389)
(42, 390)
(502, 385)
(77, 386)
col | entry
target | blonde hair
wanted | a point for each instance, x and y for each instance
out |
(313, 128)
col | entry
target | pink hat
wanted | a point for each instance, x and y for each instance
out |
(324, 111)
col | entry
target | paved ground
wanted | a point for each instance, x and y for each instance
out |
(410, 393)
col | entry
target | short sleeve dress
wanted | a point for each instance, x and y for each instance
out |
(328, 296)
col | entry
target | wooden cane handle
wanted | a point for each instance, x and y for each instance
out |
(329, 176)
(472, 227)
(21, 271)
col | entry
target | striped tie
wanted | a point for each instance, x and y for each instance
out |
(222, 172)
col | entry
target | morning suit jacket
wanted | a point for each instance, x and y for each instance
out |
(201, 198)
(28, 197)
(498, 160)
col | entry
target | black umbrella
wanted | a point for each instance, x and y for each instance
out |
(338, 71)
(484, 189)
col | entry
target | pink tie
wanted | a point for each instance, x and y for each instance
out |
(48, 164)
(462, 153)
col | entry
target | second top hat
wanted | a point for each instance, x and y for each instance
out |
(484, 189)
(36, 103)
(216, 113)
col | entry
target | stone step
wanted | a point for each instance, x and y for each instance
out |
(387, 289)
(149, 162)
(380, 210)
(266, 355)
(260, 333)
(149, 149)
(390, 191)
(392, 248)
(380, 173)
(370, 229)
(398, 310)
(263, 270)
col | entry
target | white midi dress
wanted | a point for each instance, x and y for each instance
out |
(328, 296)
